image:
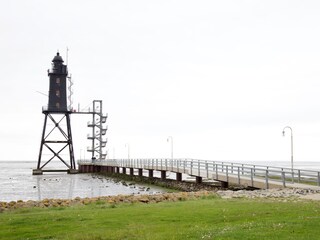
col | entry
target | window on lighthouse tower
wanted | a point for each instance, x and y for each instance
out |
(58, 93)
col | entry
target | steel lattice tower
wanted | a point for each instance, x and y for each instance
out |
(57, 139)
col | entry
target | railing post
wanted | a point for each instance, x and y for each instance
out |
(251, 174)
(299, 176)
(207, 168)
(191, 165)
(318, 178)
(227, 173)
(267, 179)
(232, 168)
(172, 165)
(292, 176)
(283, 177)
(238, 175)
(216, 167)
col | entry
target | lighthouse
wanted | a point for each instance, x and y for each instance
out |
(56, 137)
(58, 85)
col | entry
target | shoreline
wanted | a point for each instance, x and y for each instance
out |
(187, 191)
(286, 194)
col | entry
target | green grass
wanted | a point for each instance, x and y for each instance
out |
(208, 218)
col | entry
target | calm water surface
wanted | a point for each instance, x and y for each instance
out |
(17, 182)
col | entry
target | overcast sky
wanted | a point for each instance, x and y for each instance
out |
(223, 78)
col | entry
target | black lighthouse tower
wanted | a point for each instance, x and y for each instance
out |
(56, 141)
(58, 86)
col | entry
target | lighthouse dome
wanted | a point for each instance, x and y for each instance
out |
(57, 58)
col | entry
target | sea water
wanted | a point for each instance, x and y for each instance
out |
(18, 183)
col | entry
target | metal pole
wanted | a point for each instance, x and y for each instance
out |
(127, 145)
(100, 129)
(171, 138)
(283, 132)
(70, 142)
(42, 140)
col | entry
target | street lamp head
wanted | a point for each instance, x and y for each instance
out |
(283, 133)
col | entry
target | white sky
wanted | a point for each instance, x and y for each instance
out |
(223, 78)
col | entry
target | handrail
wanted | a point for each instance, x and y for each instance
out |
(197, 167)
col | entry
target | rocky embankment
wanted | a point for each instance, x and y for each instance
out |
(111, 200)
(277, 193)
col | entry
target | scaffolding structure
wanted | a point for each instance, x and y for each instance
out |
(98, 142)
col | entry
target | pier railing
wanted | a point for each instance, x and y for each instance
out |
(213, 169)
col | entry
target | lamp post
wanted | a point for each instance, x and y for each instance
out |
(128, 146)
(170, 138)
(283, 132)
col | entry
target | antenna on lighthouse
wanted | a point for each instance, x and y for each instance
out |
(67, 56)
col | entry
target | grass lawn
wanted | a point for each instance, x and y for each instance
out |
(210, 218)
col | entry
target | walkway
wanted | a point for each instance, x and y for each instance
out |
(249, 175)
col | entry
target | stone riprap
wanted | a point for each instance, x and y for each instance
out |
(284, 193)
(279, 194)
(112, 200)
